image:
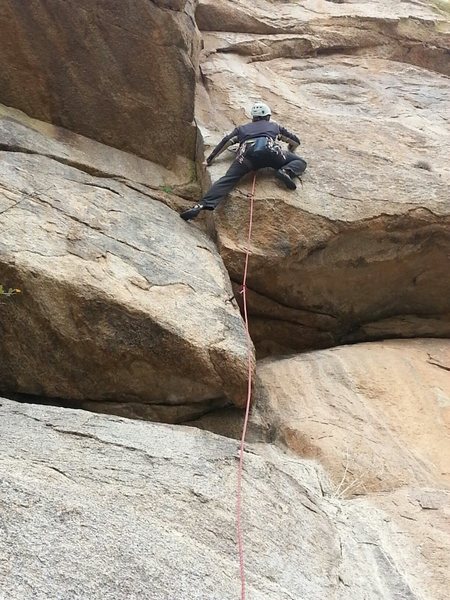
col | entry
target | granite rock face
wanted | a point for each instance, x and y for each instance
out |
(124, 307)
(23, 134)
(123, 74)
(375, 415)
(106, 508)
(361, 250)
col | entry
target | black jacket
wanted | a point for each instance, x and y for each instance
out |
(253, 130)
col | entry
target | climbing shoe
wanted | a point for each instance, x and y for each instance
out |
(191, 213)
(284, 176)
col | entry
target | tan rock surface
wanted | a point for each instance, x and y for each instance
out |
(21, 133)
(124, 307)
(122, 73)
(412, 32)
(361, 251)
(109, 508)
(376, 415)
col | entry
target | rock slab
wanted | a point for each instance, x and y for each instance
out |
(375, 415)
(124, 307)
(111, 509)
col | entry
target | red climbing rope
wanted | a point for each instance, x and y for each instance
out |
(249, 399)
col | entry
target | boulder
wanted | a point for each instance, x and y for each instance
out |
(123, 74)
(108, 508)
(124, 307)
(361, 250)
(375, 415)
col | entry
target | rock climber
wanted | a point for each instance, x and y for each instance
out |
(258, 148)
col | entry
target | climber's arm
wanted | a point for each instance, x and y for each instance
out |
(227, 141)
(289, 138)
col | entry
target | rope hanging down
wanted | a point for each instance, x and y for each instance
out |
(249, 399)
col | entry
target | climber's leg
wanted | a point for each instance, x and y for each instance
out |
(289, 166)
(294, 163)
(219, 189)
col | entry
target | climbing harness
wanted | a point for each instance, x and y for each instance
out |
(257, 149)
(240, 540)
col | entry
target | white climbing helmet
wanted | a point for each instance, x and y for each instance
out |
(259, 109)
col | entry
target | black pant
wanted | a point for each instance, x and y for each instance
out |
(240, 167)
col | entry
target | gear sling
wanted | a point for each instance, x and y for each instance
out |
(259, 150)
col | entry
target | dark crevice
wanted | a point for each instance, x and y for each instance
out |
(41, 400)
(137, 410)
(336, 50)
(279, 303)
(102, 187)
(435, 364)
